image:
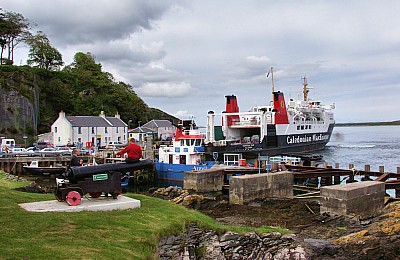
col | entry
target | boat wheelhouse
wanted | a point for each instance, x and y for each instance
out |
(185, 154)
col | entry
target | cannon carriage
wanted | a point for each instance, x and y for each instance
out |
(94, 180)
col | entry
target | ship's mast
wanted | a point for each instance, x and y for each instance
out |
(272, 82)
(305, 89)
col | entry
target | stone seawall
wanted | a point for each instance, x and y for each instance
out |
(246, 188)
(360, 198)
(204, 180)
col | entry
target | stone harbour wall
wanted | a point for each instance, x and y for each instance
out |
(363, 199)
(204, 180)
(246, 188)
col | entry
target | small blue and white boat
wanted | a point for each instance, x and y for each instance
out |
(185, 154)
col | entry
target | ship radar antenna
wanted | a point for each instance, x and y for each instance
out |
(305, 89)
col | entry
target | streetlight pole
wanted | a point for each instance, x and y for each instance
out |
(129, 126)
(140, 135)
(25, 137)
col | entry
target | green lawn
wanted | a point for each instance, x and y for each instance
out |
(127, 234)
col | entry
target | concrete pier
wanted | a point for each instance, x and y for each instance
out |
(363, 199)
(243, 189)
(205, 180)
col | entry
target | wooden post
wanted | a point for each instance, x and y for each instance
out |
(336, 179)
(351, 176)
(397, 191)
(381, 168)
(367, 168)
(329, 179)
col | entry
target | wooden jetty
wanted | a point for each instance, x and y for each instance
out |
(330, 176)
(14, 165)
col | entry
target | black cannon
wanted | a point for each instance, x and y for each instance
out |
(96, 179)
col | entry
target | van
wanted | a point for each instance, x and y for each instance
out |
(7, 143)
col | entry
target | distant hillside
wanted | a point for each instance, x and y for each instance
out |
(369, 123)
(31, 98)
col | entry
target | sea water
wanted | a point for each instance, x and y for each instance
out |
(361, 145)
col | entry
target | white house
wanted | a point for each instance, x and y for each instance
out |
(99, 130)
(140, 133)
(165, 129)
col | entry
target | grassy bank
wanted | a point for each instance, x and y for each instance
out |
(127, 234)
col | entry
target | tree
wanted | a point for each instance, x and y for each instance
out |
(14, 29)
(42, 54)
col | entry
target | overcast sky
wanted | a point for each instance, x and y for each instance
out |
(183, 57)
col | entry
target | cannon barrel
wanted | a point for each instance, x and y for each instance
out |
(80, 172)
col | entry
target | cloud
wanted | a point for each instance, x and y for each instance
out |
(196, 52)
(92, 21)
(171, 90)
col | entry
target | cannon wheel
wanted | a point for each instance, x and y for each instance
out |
(73, 198)
(95, 194)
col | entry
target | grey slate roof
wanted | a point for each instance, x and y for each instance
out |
(141, 130)
(93, 121)
(116, 121)
(158, 123)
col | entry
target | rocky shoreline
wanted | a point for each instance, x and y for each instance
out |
(208, 244)
(314, 235)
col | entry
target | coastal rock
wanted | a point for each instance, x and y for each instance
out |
(206, 244)
(229, 236)
(321, 247)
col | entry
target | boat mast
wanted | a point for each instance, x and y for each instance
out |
(272, 82)
(305, 89)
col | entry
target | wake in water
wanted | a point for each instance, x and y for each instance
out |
(358, 146)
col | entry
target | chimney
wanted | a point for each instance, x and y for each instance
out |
(117, 115)
(61, 114)
(102, 115)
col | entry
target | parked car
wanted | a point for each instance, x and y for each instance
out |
(84, 151)
(32, 149)
(49, 151)
(18, 151)
(113, 144)
(64, 150)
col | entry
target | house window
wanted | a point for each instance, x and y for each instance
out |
(79, 130)
(59, 138)
(55, 129)
(105, 130)
(92, 130)
(117, 130)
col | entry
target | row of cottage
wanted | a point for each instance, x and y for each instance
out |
(102, 129)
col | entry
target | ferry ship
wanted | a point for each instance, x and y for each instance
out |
(295, 128)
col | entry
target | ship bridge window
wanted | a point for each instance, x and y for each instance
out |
(198, 142)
